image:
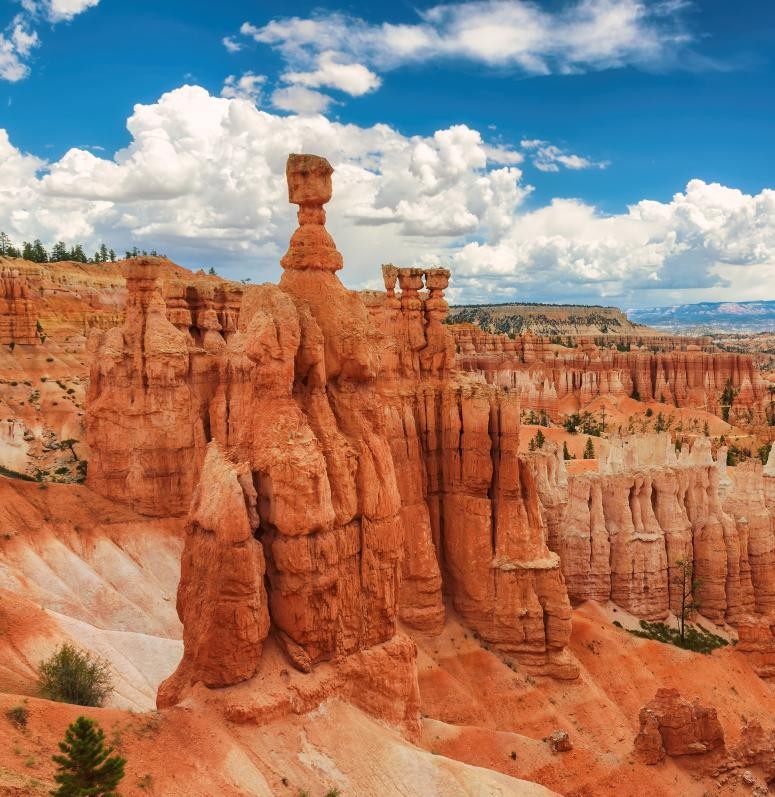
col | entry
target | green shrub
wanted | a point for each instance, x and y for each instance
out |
(695, 637)
(75, 676)
(18, 715)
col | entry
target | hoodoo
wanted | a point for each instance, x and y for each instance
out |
(382, 477)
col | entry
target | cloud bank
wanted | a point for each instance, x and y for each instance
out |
(203, 180)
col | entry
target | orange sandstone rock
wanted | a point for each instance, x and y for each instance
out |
(147, 423)
(309, 187)
(620, 532)
(379, 475)
(671, 725)
(222, 601)
(18, 309)
(546, 373)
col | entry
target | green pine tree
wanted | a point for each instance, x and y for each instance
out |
(59, 252)
(103, 253)
(589, 449)
(78, 255)
(112, 256)
(540, 439)
(41, 255)
(565, 453)
(86, 767)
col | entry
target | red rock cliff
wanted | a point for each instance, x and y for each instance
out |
(147, 420)
(18, 309)
(545, 373)
(619, 532)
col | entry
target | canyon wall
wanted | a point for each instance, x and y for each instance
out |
(620, 531)
(549, 374)
(70, 299)
(18, 309)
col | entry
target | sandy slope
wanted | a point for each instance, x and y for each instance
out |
(190, 753)
(479, 710)
(90, 572)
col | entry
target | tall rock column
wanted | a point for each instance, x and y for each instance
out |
(412, 367)
(145, 424)
(222, 602)
(335, 387)
(502, 578)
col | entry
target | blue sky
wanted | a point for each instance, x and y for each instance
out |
(584, 107)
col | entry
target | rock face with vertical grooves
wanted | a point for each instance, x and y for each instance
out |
(547, 372)
(18, 309)
(147, 419)
(222, 601)
(620, 531)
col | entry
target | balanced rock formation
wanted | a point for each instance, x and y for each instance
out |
(671, 725)
(18, 309)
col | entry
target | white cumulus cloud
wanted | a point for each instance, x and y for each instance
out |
(707, 242)
(65, 10)
(246, 87)
(16, 44)
(354, 79)
(203, 179)
(300, 99)
(231, 44)
(549, 158)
